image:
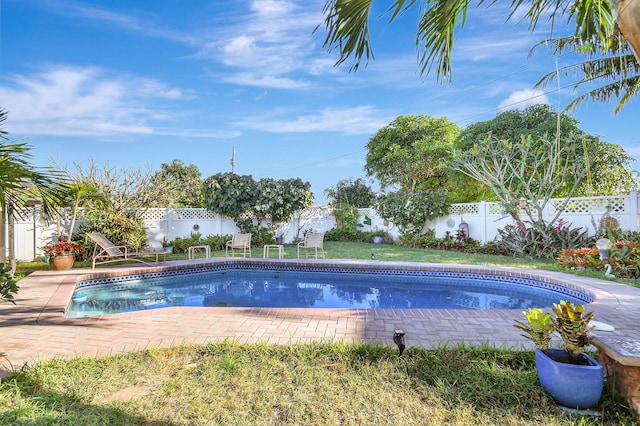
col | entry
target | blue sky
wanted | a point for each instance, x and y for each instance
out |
(134, 84)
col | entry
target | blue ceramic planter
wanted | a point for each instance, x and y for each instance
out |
(570, 385)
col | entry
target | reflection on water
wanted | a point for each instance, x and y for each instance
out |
(307, 290)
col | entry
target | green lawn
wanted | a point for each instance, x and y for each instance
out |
(308, 384)
(363, 251)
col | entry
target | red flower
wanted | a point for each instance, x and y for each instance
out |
(64, 246)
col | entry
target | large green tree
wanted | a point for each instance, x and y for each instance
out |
(351, 192)
(347, 25)
(607, 165)
(229, 194)
(278, 200)
(412, 152)
(243, 199)
(182, 184)
(122, 198)
(526, 169)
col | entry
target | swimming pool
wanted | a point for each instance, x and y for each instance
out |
(253, 283)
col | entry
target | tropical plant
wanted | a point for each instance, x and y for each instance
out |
(21, 184)
(124, 192)
(346, 216)
(612, 63)
(624, 259)
(63, 246)
(347, 26)
(538, 328)
(81, 194)
(540, 239)
(278, 200)
(8, 286)
(124, 229)
(608, 165)
(525, 170)
(572, 323)
(569, 320)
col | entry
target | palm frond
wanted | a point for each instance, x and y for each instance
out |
(611, 62)
(625, 90)
(347, 25)
(435, 35)
(594, 19)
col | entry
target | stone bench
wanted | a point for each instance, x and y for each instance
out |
(620, 358)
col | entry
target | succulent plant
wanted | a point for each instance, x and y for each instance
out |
(569, 321)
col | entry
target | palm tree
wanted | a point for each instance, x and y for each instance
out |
(78, 195)
(21, 184)
(347, 25)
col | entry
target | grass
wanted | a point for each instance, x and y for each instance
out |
(385, 252)
(322, 383)
(309, 384)
(363, 251)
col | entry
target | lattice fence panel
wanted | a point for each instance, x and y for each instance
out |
(464, 209)
(592, 205)
(194, 214)
(495, 208)
(155, 214)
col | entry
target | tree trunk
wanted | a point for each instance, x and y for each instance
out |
(11, 242)
(628, 17)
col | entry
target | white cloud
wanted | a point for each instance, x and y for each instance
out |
(83, 101)
(268, 81)
(523, 98)
(117, 19)
(363, 120)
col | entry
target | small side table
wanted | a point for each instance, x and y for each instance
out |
(267, 248)
(193, 249)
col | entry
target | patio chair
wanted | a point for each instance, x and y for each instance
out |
(312, 241)
(109, 252)
(237, 242)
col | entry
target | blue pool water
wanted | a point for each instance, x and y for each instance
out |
(274, 288)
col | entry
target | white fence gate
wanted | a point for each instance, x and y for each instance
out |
(484, 220)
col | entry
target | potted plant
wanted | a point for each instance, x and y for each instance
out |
(573, 378)
(63, 254)
(167, 246)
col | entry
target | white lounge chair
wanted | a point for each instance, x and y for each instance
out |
(111, 253)
(237, 242)
(312, 241)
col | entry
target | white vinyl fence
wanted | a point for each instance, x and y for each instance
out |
(484, 220)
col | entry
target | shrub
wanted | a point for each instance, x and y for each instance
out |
(542, 240)
(336, 234)
(122, 230)
(8, 285)
(216, 242)
(623, 259)
(457, 242)
(411, 210)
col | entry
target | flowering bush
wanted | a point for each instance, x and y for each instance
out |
(624, 259)
(63, 246)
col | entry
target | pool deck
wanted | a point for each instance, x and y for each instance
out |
(34, 329)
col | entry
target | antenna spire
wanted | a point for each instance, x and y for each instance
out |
(233, 159)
